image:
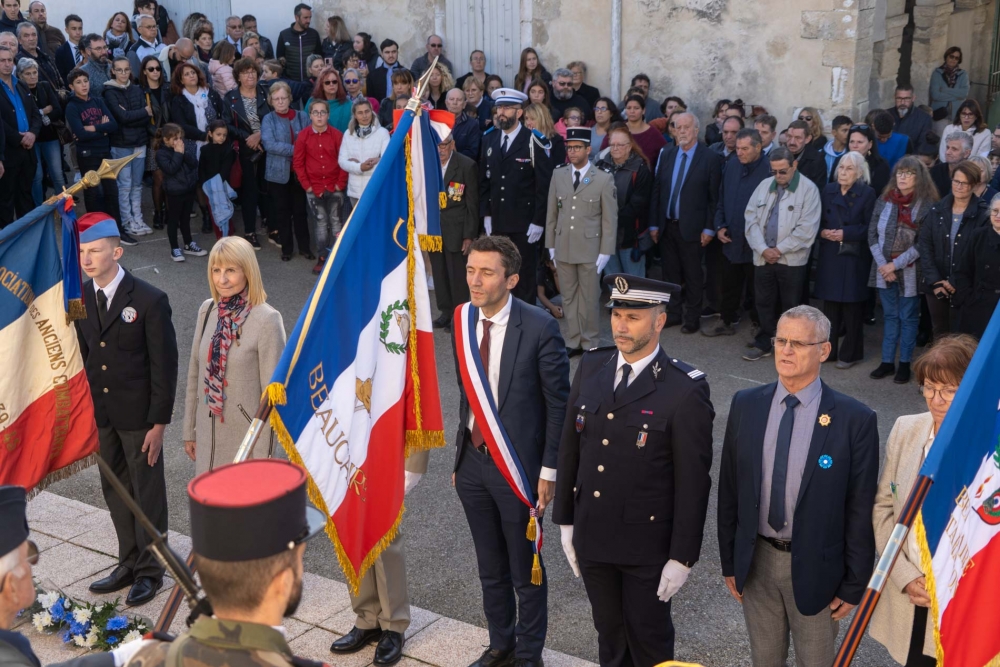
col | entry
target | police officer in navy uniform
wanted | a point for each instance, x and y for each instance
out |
(130, 355)
(633, 479)
(515, 171)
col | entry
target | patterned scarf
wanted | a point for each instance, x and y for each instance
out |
(906, 228)
(233, 312)
(950, 75)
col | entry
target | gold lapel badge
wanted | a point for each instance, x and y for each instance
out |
(824, 420)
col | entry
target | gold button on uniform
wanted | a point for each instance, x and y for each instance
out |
(105, 390)
(611, 415)
(103, 344)
(597, 494)
(104, 368)
(604, 442)
(600, 468)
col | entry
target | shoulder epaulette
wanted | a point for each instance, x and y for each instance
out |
(688, 369)
(560, 166)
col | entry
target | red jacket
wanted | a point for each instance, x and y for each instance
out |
(315, 160)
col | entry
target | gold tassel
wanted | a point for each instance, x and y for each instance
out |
(429, 243)
(77, 311)
(411, 267)
(927, 567)
(62, 473)
(276, 394)
(532, 533)
(420, 441)
(536, 572)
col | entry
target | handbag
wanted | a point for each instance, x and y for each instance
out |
(236, 171)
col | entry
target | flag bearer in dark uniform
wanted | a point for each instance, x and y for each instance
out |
(130, 354)
(249, 525)
(514, 174)
(633, 479)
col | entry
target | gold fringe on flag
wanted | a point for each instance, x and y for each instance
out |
(411, 267)
(62, 473)
(420, 441)
(536, 571)
(927, 567)
(429, 243)
(77, 311)
(276, 394)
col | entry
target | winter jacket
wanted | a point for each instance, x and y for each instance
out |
(222, 77)
(977, 281)
(294, 48)
(180, 171)
(634, 188)
(844, 277)
(278, 135)
(812, 165)
(337, 53)
(354, 150)
(915, 124)
(182, 113)
(236, 114)
(467, 136)
(798, 219)
(128, 105)
(939, 253)
(44, 96)
(739, 181)
(216, 159)
(894, 148)
(315, 160)
(943, 97)
(80, 113)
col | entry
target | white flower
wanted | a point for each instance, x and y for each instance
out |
(41, 620)
(132, 636)
(91, 639)
(48, 599)
(79, 640)
(81, 615)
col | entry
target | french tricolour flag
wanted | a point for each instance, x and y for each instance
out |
(356, 389)
(47, 428)
(958, 527)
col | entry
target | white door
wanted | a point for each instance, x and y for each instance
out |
(216, 10)
(492, 26)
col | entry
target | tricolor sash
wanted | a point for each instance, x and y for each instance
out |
(475, 380)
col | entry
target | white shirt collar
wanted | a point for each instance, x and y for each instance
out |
(511, 136)
(112, 287)
(582, 172)
(637, 366)
(502, 316)
(444, 167)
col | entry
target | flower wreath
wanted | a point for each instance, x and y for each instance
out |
(99, 626)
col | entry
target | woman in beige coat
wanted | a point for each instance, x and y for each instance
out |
(238, 340)
(901, 621)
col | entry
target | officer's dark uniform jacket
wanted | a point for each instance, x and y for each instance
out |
(633, 476)
(514, 186)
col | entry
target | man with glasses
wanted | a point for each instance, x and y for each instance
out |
(148, 43)
(797, 487)
(564, 97)
(782, 220)
(435, 49)
(910, 120)
(234, 32)
(957, 147)
(97, 65)
(581, 228)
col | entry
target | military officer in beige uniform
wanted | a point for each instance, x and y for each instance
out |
(580, 230)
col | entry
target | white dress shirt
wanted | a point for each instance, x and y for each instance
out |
(582, 172)
(112, 287)
(637, 367)
(444, 169)
(511, 136)
(498, 331)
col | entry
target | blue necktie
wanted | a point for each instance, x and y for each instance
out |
(676, 194)
(776, 512)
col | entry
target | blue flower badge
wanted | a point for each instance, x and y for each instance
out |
(825, 461)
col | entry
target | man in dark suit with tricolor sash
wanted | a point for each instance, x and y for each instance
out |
(513, 380)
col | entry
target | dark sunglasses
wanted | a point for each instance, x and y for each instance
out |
(331, 82)
(153, 69)
(807, 119)
(859, 128)
(436, 46)
(351, 81)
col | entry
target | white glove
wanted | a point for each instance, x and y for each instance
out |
(566, 534)
(673, 577)
(534, 233)
(124, 653)
(488, 224)
(602, 261)
(552, 256)
(410, 480)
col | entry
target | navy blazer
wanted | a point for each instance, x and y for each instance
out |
(833, 542)
(844, 277)
(699, 193)
(534, 385)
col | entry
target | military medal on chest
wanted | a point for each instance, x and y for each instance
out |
(640, 441)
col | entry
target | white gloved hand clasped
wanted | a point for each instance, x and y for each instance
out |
(534, 233)
(671, 579)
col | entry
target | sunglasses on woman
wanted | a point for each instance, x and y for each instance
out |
(153, 69)
(351, 81)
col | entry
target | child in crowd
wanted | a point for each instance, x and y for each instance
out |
(177, 159)
(217, 158)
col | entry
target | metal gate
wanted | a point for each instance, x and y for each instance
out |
(492, 26)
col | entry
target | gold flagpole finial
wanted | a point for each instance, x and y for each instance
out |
(109, 169)
(420, 88)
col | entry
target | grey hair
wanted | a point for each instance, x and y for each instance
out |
(779, 153)
(964, 137)
(562, 72)
(697, 123)
(859, 162)
(311, 59)
(351, 69)
(996, 198)
(24, 64)
(814, 315)
(26, 25)
(234, 18)
(144, 17)
(35, 2)
(984, 166)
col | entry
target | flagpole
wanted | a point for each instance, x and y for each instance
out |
(109, 169)
(863, 614)
(246, 447)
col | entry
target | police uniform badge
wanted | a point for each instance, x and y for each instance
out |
(581, 420)
(128, 315)
(455, 191)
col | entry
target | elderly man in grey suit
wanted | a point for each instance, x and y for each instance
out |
(459, 226)
(580, 231)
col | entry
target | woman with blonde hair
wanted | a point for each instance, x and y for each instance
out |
(238, 340)
(901, 621)
(439, 83)
(810, 116)
(538, 119)
(338, 42)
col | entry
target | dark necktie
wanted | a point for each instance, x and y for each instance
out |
(776, 512)
(623, 383)
(675, 196)
(576, 180)
(79, 56)
(503, 147)
(484, 354)
(102, 306)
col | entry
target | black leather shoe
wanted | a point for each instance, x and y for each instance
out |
(884, 370)
(120, 577)
(443, 322)
(355, 640)
(389, 649)
(143, 590)
(493, 657)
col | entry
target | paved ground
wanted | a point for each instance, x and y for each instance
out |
(440, 556)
